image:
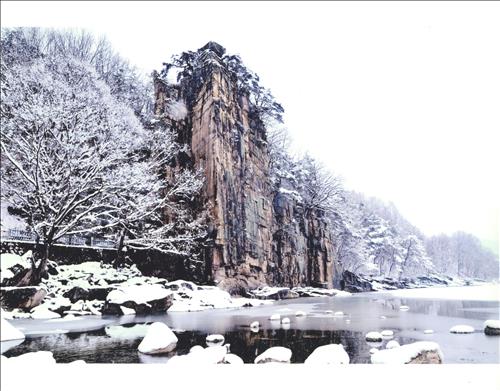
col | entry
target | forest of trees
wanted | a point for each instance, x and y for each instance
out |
(371, 236)
(82, 152)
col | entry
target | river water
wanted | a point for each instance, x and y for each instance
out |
(115, 339)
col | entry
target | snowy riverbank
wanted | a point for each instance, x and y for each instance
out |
(94, 288)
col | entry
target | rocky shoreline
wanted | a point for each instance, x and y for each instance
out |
(94, 288)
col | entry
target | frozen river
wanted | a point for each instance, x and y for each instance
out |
(115, 339)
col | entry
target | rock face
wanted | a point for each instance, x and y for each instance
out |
(22, 297)
(260, 236)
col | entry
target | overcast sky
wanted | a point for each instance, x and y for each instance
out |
(402, 100)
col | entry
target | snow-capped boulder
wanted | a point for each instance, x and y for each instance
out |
(328, 312)
(414, 353)
(428, 331)
(212, 297)
(159, 339)
(200, 356)
(300, 313)
(78, 293)
(275, 317)
(338, 314)
(462, 329)
(254, 325)
(231, 358)
(127, 332)
(127, 311)
(276, 354)
(404, 308)
(186, 306)
(179, 285)
(32, 359)
(214, 354)
(373, 336)
(8, 332)
(56, 304)
(492, 327)
(196, 349)
(328, 354)
(373, 350)
(77, 362)
(387, 333)
(143, 299)
(14, 267)
(285, 321)
(25, 297)
(392, 344)
(43, 313)
(215, 340)
(274, 293)
(319, 292)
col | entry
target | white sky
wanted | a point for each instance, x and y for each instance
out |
(401, 99)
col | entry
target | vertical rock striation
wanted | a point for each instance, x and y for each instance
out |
(260, 235)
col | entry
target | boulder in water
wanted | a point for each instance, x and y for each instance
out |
(415, 353)
(328, 354)
(492, 327)
(159, 339)
(215, 340)
(373, 336)
(143, 299)
(276, 354)
(462, 329)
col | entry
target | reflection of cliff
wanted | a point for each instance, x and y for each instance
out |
(258, 236)
(248, 345)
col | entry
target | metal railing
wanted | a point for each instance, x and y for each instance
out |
(20, 235)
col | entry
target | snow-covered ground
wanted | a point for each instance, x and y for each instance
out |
(486, 292)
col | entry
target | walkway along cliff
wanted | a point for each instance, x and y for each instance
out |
(259, 234)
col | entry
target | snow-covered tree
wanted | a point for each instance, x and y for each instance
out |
(63, 138)
(416, 262)
(125, 81)
(462, 255)
(76, 158)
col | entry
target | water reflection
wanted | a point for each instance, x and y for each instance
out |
(100, 347)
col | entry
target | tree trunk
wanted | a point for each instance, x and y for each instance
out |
(120, 256)
(41, 271)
